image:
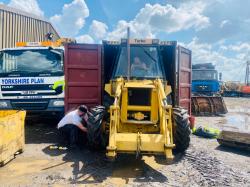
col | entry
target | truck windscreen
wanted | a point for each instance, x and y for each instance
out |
(31, 61)
(204, 75)
(144, 63)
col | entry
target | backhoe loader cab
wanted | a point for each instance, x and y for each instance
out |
(145, 63)
(141, 116)
(136, 92)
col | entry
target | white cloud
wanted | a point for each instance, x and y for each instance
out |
(232, 67)
(229, 20)
(30, 6)
(72, 18)
(138, 30)
(224, 22)
(98, 29)
(170, 19)
(240, 47)
(85, 39)
(163, 18)
(223, 47)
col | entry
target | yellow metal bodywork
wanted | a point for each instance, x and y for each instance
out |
(11, 133)
(139, 135)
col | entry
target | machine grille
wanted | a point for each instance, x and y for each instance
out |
(204, 88)
(29, 105)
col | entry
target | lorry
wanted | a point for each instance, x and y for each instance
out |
(231, 89)
(237, 88)
(32, 77)
(206, 98)
(205, 79)
(143, 89)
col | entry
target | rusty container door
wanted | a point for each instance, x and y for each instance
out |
(82, 75)
(184, 64)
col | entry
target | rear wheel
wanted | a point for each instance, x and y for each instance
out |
(97, 138)
(181, 129)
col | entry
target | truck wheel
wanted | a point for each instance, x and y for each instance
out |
(181, 129)
(96, 136)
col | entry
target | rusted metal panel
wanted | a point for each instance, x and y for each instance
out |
(184, 78)
(177, 65)
(207, 106)
(18, 26)
(83, 82)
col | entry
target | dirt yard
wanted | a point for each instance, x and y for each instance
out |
(204, 164)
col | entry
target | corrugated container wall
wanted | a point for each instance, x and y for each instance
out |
(18, 26)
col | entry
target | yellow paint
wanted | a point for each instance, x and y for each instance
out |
(139, 108)
(124, 110)
(108, 89)
(150, 160)
(155, 135)
(11, 133)
(58, 84)
(139, 116)
(168, 89)
(58, 43)
(154, 106)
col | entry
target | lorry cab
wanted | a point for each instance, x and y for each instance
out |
(205, 81)
(32, 78)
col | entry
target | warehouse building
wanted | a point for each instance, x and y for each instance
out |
(19, 26)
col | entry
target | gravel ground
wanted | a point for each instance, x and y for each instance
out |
(204, 164)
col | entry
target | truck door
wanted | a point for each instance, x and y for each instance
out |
(184, 65)
(82, 75)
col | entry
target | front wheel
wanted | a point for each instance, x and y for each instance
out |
(96, 137)
(181, 129)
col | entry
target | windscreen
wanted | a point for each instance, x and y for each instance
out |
(31, 61)
(144, 63)
(204, 75)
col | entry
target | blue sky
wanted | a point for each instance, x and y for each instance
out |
(217, 31)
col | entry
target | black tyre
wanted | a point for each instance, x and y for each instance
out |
(96, 136)
(181, 129)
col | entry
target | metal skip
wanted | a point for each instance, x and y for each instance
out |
(207, 106)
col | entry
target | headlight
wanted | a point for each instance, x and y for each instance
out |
(3, 104)
(58, 103)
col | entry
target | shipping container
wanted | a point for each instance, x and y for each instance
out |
(178, 67)
(89, 66)
(82, 70)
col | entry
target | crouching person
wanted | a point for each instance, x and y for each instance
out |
(72, 127)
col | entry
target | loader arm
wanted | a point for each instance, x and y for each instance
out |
(143, 133)
(165, 113)
(114, 119)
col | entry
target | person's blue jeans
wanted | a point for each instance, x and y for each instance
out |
(70, 134)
